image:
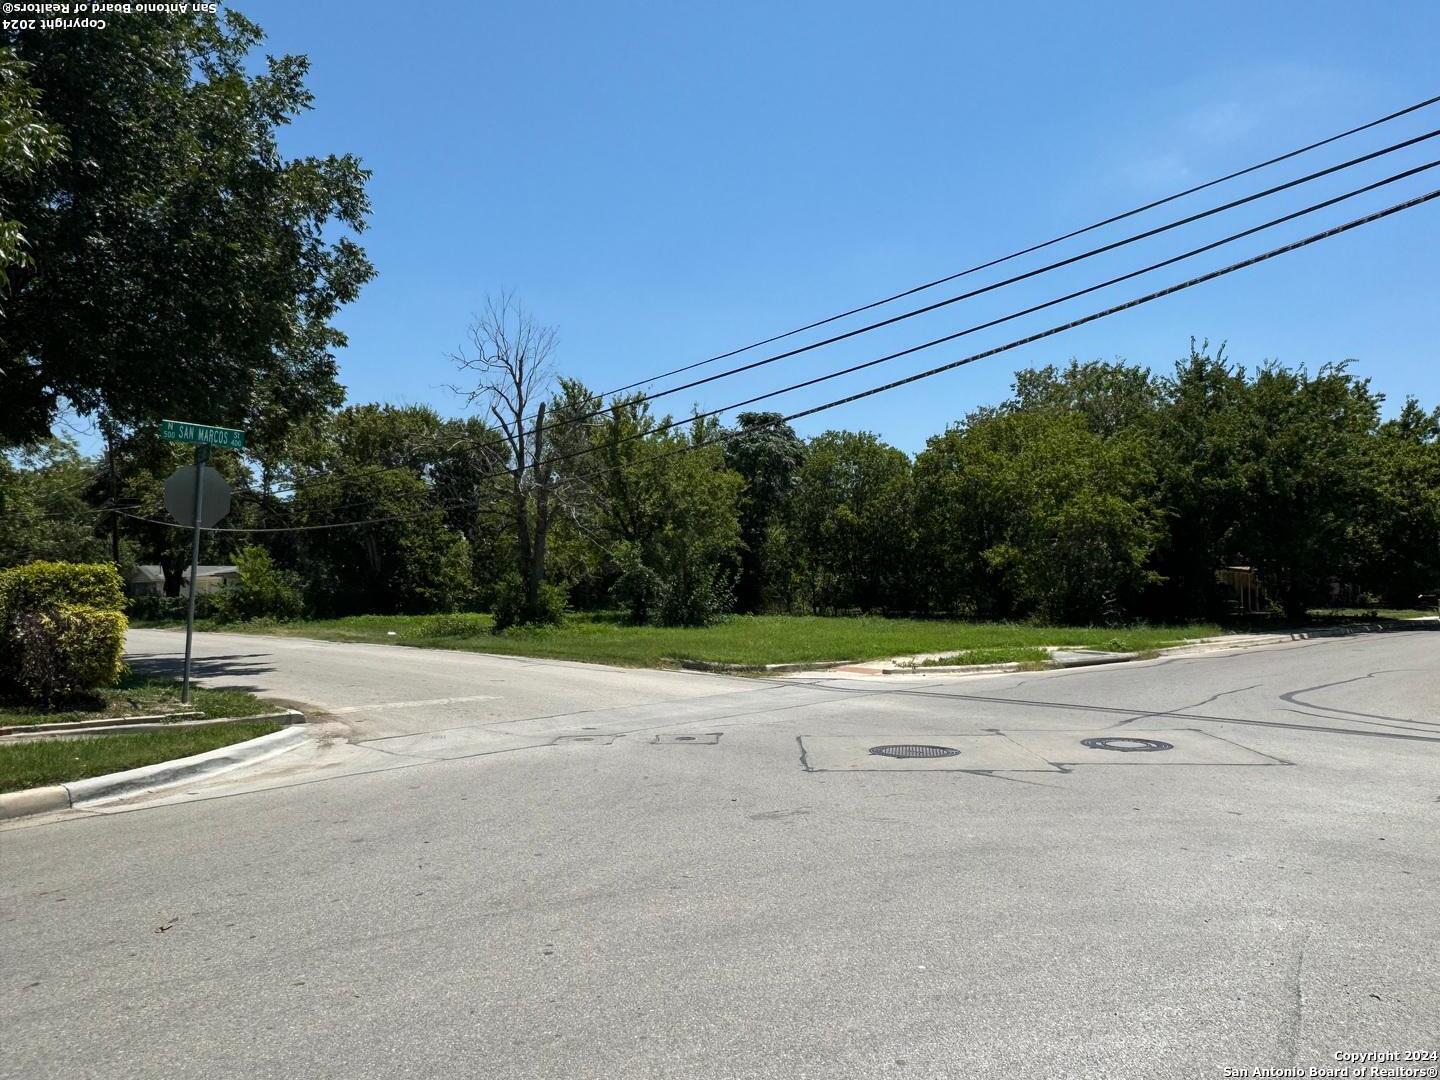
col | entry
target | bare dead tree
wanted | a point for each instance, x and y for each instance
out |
(510, 356)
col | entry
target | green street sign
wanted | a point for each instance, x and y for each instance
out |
(202, 434)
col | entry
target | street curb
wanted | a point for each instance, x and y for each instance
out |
(1224, 641)
(40, 800)
(78, 793)
(716, 667)
(955, 669)
(123, 725)
(109, 721)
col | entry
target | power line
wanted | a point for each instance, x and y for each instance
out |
(1051, 332)
(950, 366)
(524, 433)
(1041, 306)
(1138, 301)
(1048, 267)
(1037, 247)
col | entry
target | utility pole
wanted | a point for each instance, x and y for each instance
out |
(202, 454)
(114, 493)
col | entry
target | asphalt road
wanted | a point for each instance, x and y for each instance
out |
(444, 890)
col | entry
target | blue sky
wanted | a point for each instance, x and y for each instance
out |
(666, 181)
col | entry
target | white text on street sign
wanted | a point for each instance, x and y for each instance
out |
(202, 434)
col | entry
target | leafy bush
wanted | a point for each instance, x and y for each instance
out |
(44, 585)
(639, 589)
(513, 609)
(64, 651)
(263, 591)
(688, 590)
(697, 596)
(168, 608)
(61, 628)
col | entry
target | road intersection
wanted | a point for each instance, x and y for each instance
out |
(523, 868)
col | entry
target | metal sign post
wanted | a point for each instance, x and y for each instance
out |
(202, 453)
(204, 436)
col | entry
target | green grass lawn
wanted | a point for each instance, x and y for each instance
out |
(137, 696)
(742, 639)
(1371, 613)
(55, 761)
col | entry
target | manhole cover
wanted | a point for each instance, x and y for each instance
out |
(913, 750)
(1126, 746)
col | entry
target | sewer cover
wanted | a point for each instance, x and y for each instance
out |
(913, 750)
(1126, 746)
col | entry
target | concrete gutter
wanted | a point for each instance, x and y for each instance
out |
(103, 722)
(752, 669)
(120, 725)
(81, 793)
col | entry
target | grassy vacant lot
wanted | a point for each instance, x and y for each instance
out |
(744, 639)
(136, 696)
(54, 761)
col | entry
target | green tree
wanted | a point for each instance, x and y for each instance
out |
(178, 263)
(767, 454)
(851, 523)
(374, 465)
(45, 514)
(1202, 454)
(1111, 398)
(1306, 480)
(664, 510)
(27, 146)
(263, 590)
(1402, 514)
(1033, 513)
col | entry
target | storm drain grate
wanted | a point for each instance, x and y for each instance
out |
(913, 750)
(1126, 746)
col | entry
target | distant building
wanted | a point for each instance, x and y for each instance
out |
(1246, 592)
(144, 581)
(149, 580)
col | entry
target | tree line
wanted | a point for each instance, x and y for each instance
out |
(1095, 492)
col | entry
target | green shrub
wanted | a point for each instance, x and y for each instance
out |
(697, 596)
(263, 591)
(62, 652)
(168, 608)
(639, 589)
(61, 629)
(45, 585)
(512, 609)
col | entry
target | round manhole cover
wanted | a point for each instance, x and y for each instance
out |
(1126, 746)
(913, 750)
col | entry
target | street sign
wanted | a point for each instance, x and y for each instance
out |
(180, 496)
(202, 434)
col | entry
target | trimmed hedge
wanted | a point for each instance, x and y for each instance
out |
(54, 584)
(61, 628)
(65, 651)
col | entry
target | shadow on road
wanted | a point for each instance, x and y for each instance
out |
(201, 668)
